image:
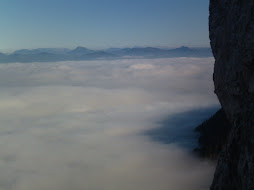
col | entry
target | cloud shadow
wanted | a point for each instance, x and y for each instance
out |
(179, 128)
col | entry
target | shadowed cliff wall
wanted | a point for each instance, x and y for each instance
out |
(231, 25)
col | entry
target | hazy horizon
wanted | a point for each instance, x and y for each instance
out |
(7, 51)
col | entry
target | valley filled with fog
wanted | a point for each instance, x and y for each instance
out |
(76, 125)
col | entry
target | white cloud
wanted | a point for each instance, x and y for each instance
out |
(77, 125)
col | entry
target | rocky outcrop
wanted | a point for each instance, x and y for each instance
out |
(231, 25)
(213, 134)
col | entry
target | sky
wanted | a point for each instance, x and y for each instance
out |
(83, 125)
(99, 24)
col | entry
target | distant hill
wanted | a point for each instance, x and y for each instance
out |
(42, 50)
(82, 53)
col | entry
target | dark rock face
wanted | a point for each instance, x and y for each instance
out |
(232, 40)
(213, 135)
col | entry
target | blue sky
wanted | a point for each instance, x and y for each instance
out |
(102, 23)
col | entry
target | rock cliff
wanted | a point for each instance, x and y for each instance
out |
(231, 25)
(213, 134)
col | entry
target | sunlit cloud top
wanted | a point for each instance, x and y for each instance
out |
(81, 125)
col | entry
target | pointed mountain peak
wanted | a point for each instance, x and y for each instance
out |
(81, 50)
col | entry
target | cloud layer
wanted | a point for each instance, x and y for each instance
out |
(78, 125)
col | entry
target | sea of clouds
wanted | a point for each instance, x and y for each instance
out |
(81, 125)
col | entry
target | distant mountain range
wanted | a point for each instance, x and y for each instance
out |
(82, 53)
